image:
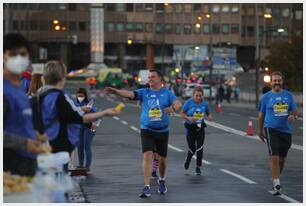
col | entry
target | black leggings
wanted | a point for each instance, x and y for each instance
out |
(195, 141)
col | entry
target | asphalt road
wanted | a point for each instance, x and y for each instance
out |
(236, 166)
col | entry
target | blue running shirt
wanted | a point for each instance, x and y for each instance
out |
(276, 107)
(153, 104)
(196, 110)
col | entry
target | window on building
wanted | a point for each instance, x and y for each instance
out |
(15, 25)
(169, 8)
(148, 7)
(250, 11)
(22, 6)
(225, 8)
(110, 27)
(139, 7)
(216, 28)
(215, 9)
(33, 25)
(178, 8)
(235, 8)
(139, 27)
(243, 31)
(205, 8)
(33, 6)
(72, 7)
(129, 7)
(276, 12)
(206, 28)
(168, 28)
(187, 28)
(159, 28)
(22, 25)
(110, 7)
(196, 8)
(159, 8)
(225, 28)
(268, 11)
(120, 7)
(130, 27)
(298, 15)
(250, 30)
(44, 26)
(60, 6)
(149, 27)
(197, 30)
(187, 8)
(82, 26)
(260, 11)
(120, 27)
(260, 30)
(234, 28)
(285, 12)
(178, 29)
(72, 26)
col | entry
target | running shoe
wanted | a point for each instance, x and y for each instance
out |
(162, 189)
(145, 192)
(198, 171)
(186, 165)
(154, 175)
(277, 190)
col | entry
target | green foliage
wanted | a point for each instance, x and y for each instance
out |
(287, 57)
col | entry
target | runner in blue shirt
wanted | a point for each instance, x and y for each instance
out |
(193, 112)
(156, 105)
(277, 110)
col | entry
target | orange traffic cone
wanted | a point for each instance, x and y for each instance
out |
(250, 130)
(218, 108)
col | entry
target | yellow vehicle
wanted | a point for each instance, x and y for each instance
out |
(110, 77)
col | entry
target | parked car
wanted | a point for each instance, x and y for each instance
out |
(187, 91)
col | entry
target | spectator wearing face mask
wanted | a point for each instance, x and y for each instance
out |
(87, 131)
(17, 115)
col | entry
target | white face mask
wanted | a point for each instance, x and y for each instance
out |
(81, 99)
(17, 64)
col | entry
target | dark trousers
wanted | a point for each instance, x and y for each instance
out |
(195, 140)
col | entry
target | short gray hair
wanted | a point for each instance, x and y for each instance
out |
(54, 72)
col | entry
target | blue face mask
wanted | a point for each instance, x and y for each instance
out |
(17, 64)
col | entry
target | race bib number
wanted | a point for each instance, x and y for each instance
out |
(280, 109)
(198, 116)
(155, 114)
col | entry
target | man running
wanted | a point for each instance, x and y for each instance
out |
(277, 110)
(156, 105)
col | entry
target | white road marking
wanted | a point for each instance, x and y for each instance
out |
(123, 122)
(134, 128)
(238, 176)
(204, 161)
(253, 118)
(285, 197)
(116, 118)
(234, 114)
(244, 134)
(175, 148)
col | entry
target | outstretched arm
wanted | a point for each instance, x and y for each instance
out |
(119, 92)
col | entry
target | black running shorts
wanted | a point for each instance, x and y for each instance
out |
(278, 142)
(154, 141)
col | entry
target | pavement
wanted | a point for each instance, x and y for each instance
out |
(235, 168)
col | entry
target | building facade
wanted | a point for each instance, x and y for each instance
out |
(139, 36)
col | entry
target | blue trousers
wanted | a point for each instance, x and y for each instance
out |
(84, 147)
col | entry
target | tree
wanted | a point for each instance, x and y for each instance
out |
(287, 57)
